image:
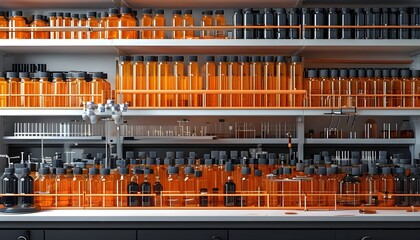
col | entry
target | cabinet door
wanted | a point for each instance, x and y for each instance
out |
(90, 234)
(363, 234)
(297, 234)
(182, 235)
(21, 234)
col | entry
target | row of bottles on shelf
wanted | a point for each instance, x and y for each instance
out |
(52, 89)
(398, 20)
(270, 180)
(220, 77)
(362, 87)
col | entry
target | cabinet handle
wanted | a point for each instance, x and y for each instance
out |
(22, 238)
(367, 238)
(216, 238)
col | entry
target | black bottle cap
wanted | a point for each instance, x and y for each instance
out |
(300, 167)
(352, 73)
(305, 10)
(246, 170)
(163, 58)
(43, 74)
(321, 170)
(268, 58)
(159, 11)
(123, 170)
(219, 12)
(51, 14)
(91, 14)
(193, 58)
(355, 171)
(255, 59)
(248, 10)
(345, 10)
(83, 16)
(179, 161)
(9, 170)
(77, 171)
(405, 73)
(12, 75)
(403, 9)
(178, 58)
(296, 58)
(334, 73)
(378, 73)
(38, 17)
(312, 73)
(367, 9)
(138, 58)
(221, 59)
(126, 10)
(179, 12)
(258, 173)
(93, 171)
(80, 75)
(75, 15)
(16, 13)
(198, 173)
(208, 161)
(229, 167)
(150, 58)
(370, 72)
(97, 74)
(287, 170)
(384, 10)
(2, 74)
(187, 11)
(170, 154)
(232, 58)
(105, 171)
(60, 14)
(44, 170)
(173, 170)
(113, 11)
(137, 170)
(395, 73)
(147, 171)
(103, 14)
(125, 58)
(399, 171)
(309, 170)
(147, 10)
(24, 75)
(358, 10)
(415, 73)
(189, 170)
(262, 161)
(319, 10)
(59, 171)
(209, 58)
(386, 170)
(324, 73)
(361, 72)
(268, 10)
(281, 11)
(67, 15)
(344, 73)
(243, 59)
(373, 170)
(332, 10)
(150, 161)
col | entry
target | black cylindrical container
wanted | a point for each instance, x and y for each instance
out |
(376, 22)
(238, 20)
(281, 21)
(370, 33)
(393, 21)
(248, 21)
(26, 186)
(9, 184)
(415, 21)
(346, 21)
(332, 21)
(294, 21)
(403, 20)
(384, 22)
(269, 21)
(359, 20)
(259, 21)
(307, 20)
(319, 20)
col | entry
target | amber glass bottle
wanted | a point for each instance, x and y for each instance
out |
(223, 100)
(59, 88)
(92, 21)
(177, 22)
(189, 187)
(122, 186)
(139, 81)
(207, 21)
(82, 23)
(44, 184)
(98, 88)
(151, 74)
(258, 100)
(220, 20)
(195, 81)
(210, 82)
(396, 86)
(146, 21)
(66, 23)
(229, 187)
(188, 21)
(159, 21)
(62, 186)
(111, 21)
(106, 188)
(78, 186)
(13, 83)
(102, 23)
(45, 88)
(3, 23)
(127, 20)
(312, 85)
(387, 186)
(125, 79)
(295, 81)
(93, 186)
(39, 22)
(59, 21)
(174, 187)
(233, 80)
(3, 90)
(17, 20)
(74, 23)
(281, 80)
(407, 87)
(180, 82)
(269, 81)
(26, 88)
(245, 80)
(165, 81)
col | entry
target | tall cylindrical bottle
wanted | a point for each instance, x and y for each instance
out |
(401, 187)
(74, 22)
(151, 80)
(139, 80)
(396, 86)
(180, 82)
(9, 184)
(189, 187)
(332, 20)
(295, 81)
(107, 188)
(82, 23)
(127, 20)
(207, 20)
(13, 83)
(78, 186)
(121, 187)
(248, 21)
(307, 19)
(25, 186)
(159, 21)
(245, 80)
(257, 83)
(17, 20)
(110, 22)
(220, 20)
(125, 79)
(233, 80)
(44, 90)
(350, 188)
(146, 21)
(62, 186)
(177, 22)
(26, 89)
(174, 187)
(102, 23)
(281, 15)
(229, 187)
(222, 81)
(146, 188)
(407, 87)
(44, 184)
(188, 21)
(3, 23)
(210, 81)
(237, 21)
(165, 81)
(134, 188)
(195, 82)
(93, 186)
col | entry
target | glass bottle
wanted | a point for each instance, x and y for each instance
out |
(281, 81)
(151, 74)
(415, 82)
(52, 22)
(3, 23)
(245, 80)
(313, 88)
(401, 187)
(350, 187)
(229, 187)
(335, 84)
(332, 20)
(222, 81)
(122, 185)
(125, 79)
(174, 187)
(188, 21)
(146, 21)
(396, 86)
(127, 20)
(159, 21)
(25, 185)
(386, 89)
(93, 22)
(106, 188)
(177, 22)
(66, 23)
(194, 81)
(58, 89)
(62, 186)
(210, 82)
(257, 83)
(220, 20)
(370, 88)
(165, 81)
(295, 81)
(74, 23)
(238, 21)
(403, 20)
(38, 22)
(9, 184)
(93, 186)
(246, 187)
(371, 186)
(414, 183)
(206, 21)
(13, 83)
(248, 20)
(17, 20)
(146, 188)
(26, 89)
(331, 186)
(102, 23)
(98, 89)
(157, 190)
(139, 83)
(406, 130)
(44, 90)
(407, 88)
(44, 184)
(78, 186)
(321, 183)
(351, 88)
(111, 21)
(359, 20)
(307, 20)
(269, 21)
(361, 86)
(233, 80)
(189, 187)
(82, 89)
(387, 186)
(346, 33)
(343, 87)
(134, 188)
(179, 82)
(82, 23)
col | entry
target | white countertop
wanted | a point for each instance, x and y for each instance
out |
(209, 215)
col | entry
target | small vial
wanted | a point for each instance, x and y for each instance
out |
(403, 20)
(93, 186)
(307, 20)
(319, 20)
(346, 33)
(82, 23)
(220, 20)
(177, 22)
(384, 22)
(350, 186)
(111, 21)
(44, 184)
(393, 21)
(146, 21)
(359, 20)
(13, 86)
(401, 187)
(414, 21)
(248, 21)
(59, 89)
(188, 21)
(159, 21)
(26, 89)
(206, 21)
(332, 21)
(387, 186)
(74, 23)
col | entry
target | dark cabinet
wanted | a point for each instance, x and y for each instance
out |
(295, 234)
(21, 234)
(362, 234)
(90, 234)
(165, 234)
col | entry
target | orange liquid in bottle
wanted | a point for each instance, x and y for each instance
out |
(17, 20)
(180, 80)
(159, 21)
(165, 82)
(13, 83)
(220, 21)
(396, 86)
(102, 23)
(78, 186)
(106, 187)
(387, 186)
(269, 81)
(295, 81)
(139, 81)
(371, 88)
(258, 100)
(107, 88)
(62, 186)
(58, 88)
(189, 187)
(188, 21)
(112, 21)
(59, 22)
(127, 20)
(39, 22)
(177, 22)
(147, 21)
(407, 88)
(415, 81)
(313, 88)
(3, 23)
(66, 23)
(3, 90)
(26, 88)
(45, 90)
(92, 21)
(151, 80)
(122, 187)
(82, 23)
(209, 77)
(98, 88)
(281, 81)
(234, 80)
(245, 80)
(93, 186)
(125, 79)
(174, 187)
(195, 81)
(207, 20)
(361, 86)
(223, 99)
(44, 184)
(326, 87)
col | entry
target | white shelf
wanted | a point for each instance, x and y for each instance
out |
(210, 140)
(315, 50)
(361, 141)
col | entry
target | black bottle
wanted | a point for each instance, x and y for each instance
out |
(401, 187)
(238, 20)
(414, 183)
(359, 20)
(229, 187)
(9, 184)
(393, 21)
(269, 21)
(376, 22)
(319, 20)
(307, 20)
(146, 188)
(248, 21)
(281, 21)
(259, 21)
(384, 22)
(332, 21)
(203, 200)
(403, 20)
(293, 18)
(133, 188)
(414, 21)
(26, 185)
(346, 33)
(370, 33)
